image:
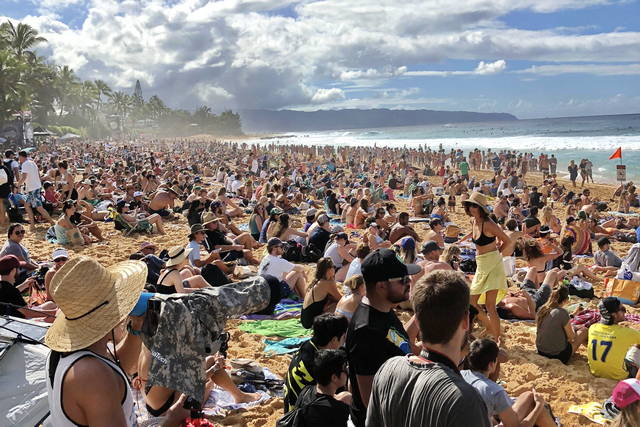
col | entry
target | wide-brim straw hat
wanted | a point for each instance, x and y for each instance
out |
(175, 190)
(478, 199)
(209, 217)
(177, 254)
(93, 299)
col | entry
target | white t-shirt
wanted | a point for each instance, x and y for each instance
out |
(33, 175)
(235, 185)
(275, 266)
(355, 269)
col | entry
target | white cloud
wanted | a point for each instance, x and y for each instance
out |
(246, 56)
(596, 69)
(483, 68)
(323, 96)
(491, 67)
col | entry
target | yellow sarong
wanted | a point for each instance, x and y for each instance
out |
(489, 276)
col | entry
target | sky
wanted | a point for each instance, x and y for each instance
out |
(531, 58)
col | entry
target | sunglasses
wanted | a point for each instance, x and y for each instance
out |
(62, 259)
(403, 280)
(20, 232)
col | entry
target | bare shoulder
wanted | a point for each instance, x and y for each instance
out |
(89, 374)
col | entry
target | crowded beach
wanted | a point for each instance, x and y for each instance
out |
(250, 284)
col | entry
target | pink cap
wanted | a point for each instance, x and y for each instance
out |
(626, 392)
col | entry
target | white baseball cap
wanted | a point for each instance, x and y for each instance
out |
(60, 253)
(138, 194)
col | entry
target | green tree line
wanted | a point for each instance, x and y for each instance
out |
(57, 97)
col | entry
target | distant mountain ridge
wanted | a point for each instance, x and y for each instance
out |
(302, 121)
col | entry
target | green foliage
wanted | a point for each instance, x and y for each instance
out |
(63, 103)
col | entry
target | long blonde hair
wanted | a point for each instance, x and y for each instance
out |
(557, 298)
(547, 214)
(629, 416)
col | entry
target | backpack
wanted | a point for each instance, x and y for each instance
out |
(9, 171)
(295, 417)
(311, 253)
(292, 251)
(468, 265)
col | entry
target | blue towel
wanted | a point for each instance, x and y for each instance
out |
(287, 345)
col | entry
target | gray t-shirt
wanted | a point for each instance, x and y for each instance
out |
(607, 259)
(494, 396)
(414, 395)
(12, 248)
(551, 337)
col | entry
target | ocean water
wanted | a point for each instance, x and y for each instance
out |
(572, 138)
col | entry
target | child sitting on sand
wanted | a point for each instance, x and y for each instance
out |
(528, 409)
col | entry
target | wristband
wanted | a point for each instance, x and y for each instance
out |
(132, 331)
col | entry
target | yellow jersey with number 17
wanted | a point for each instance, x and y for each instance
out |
(607, 346)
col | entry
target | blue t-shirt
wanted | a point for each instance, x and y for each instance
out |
(638, 235)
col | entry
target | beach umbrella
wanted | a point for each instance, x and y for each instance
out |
(2, 140)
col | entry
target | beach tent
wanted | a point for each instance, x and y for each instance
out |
(23, 386)
(68, 136)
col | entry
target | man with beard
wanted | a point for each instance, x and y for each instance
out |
(428, 390)
(375, 333)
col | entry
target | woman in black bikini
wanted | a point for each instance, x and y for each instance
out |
(177, 277)
(322, 295)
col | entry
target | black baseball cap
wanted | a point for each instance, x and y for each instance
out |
(274, 241)
(383, 264)
(545, 230)
(430, 246)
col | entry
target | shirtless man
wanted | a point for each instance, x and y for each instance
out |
(431, 252)
(402, 228)
(435, 233)
(163, 201)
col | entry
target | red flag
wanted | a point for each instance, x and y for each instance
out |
(617, 154)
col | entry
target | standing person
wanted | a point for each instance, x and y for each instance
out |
(573, 172)
(30, 177)
(428, 390)
(553, 165)
(86, 383)
(375, 333)
(489, 283)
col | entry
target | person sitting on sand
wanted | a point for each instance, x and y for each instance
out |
(372, 235)
(163, 200)
(322, 294)
(362, 250)
(609, 342)
(527, 410)
(290, 275)
(283, 231)
(402, 228)
(329, 331)
(211, 267)
(142, 220)
(177, 277)
(14, 246)
(11, 301)
(68, 233)
(556, 337)
(605, 258)
(340, 252)
(229, 250)
(435, 233)
(349, 302)
(538, 260)
(158, 400)
(361, 214)
(524, 303)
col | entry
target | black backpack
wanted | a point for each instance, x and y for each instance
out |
(292, 251)
(295, 417)
(311, 253)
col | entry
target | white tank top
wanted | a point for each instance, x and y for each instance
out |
(58, 418)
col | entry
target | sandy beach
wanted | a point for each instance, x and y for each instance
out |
(560, 385)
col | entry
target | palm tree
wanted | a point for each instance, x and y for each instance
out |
(122, 104)
(14, 91)
(21, 38)
(65, 82)
(202, 115)
(103, 89)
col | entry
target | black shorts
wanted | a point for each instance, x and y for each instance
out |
(563, 356)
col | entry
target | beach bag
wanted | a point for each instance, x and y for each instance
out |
(468, 265)
(625, 289)
(509, 265)
(292, 251)
(311, 253)
(581, 288)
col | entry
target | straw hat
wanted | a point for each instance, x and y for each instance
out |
(478, 199)
(177, 254)
(93, 300)
(175, 190)
(208, 217)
